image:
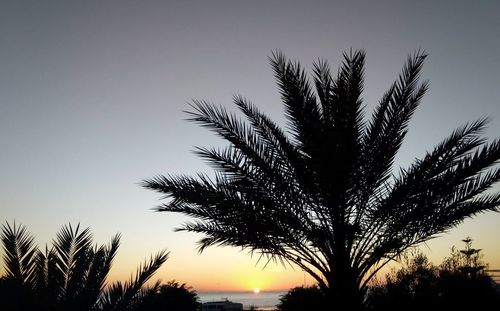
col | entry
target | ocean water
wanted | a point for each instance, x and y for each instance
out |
(262, 300)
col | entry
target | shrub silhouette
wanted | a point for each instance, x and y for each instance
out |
(172, 296)
(322, 195)
(419, 284)
(303, 298)
(71, 275)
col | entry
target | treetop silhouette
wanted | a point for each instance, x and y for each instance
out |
(322, 193)
(71, 275)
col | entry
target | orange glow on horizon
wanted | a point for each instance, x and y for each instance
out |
(216, 270)
(225, 269)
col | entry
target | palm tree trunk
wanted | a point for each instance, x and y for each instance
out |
(344, 292)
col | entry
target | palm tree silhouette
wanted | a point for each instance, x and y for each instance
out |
(72, 274)
(322, 195)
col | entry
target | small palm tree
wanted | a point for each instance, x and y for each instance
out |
(323, 196)
(72, 274)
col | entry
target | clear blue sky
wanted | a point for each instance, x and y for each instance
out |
(92, 93)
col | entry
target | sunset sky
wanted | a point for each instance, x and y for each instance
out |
(92, 95)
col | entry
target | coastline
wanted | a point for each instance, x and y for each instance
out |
(264, 301)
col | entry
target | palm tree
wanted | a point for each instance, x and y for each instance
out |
(322, 194)
(71, 275)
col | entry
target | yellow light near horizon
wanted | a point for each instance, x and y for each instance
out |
(251, 278)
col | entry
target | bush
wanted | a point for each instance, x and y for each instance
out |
(172, 296)
(303, 298)
(460, 282)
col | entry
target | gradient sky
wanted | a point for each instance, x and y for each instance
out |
(92, 94)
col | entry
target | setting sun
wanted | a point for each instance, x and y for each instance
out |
(256, 290)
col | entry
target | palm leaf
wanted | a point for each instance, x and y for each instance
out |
(19, 252)
(123, 296)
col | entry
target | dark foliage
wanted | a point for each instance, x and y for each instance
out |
(172, 296)
(15, 296)
(303, 298)
(323, 196)
(71, 275)
(419, 285)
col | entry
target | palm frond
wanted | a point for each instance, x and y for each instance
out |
(19, 252)
(434, 194)
(122, 296)
(301, 108)
(47, 282)
(96, 274)
(74, 253)
(386, 130)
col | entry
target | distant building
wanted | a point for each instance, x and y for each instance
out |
(222, 305)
